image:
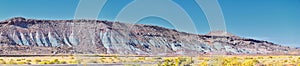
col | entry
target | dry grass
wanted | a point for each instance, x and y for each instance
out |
(159, 61)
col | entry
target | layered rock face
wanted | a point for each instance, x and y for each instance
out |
(103, 37)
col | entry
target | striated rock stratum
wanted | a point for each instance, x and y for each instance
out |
(30, 36)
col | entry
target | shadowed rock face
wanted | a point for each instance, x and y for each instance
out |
(95, 36)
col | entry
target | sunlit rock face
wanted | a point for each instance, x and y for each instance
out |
(96, 36)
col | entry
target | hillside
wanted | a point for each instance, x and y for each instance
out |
(30, 36)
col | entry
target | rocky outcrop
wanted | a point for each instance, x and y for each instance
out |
(96, 36)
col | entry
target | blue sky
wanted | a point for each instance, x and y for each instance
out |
(277, 21)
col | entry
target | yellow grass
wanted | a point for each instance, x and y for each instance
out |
(159, 61)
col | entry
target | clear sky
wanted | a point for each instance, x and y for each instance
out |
(277, 21)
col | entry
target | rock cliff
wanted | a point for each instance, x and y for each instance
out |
(103, 37)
